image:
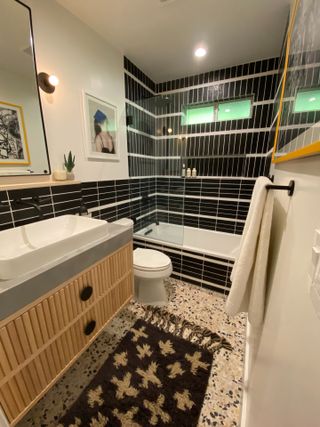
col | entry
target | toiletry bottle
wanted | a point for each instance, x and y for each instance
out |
(183, 171)
(188, 172)
(194, 172)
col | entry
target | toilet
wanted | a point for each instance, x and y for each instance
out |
(151, 268)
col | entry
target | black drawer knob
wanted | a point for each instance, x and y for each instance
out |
(86, 293)
(90, 327)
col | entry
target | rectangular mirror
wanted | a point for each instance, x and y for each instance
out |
(298, 125)
(23, 148)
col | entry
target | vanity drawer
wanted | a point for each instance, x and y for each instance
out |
(28, 332)
(39, 343)
(27, 383)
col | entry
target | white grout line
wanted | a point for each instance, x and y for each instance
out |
(135, 105)
(139, 132)
(146, 156)
(193, 135)
(140, 82)
(219, 82)
(221, 218)
(180, 114)
(110, 205)
(187, 196)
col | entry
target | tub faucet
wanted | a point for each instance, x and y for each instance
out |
(35, 203)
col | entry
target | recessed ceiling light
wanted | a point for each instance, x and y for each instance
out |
(312, 99)
(200, 52)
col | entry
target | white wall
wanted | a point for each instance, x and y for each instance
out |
(284, 384)
(82, 60)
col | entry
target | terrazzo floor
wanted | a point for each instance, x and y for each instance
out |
(203, 307)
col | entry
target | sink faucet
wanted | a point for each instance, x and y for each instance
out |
(34, 204)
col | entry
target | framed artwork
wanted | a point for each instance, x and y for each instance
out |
(100, 122)
(13, 138)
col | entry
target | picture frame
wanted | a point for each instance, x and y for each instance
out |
(100, 128)
(14, 148)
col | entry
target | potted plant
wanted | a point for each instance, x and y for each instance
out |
(69, 165)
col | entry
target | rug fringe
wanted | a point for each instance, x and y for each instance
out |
(182, 328)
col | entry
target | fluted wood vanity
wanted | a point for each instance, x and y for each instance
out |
(40, 341)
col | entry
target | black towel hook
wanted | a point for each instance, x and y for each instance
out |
(289, 188)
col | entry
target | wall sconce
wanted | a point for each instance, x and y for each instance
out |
(47, 82)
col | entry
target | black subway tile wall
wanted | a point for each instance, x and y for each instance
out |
(228, 156)
(108, 200)
(237, 148)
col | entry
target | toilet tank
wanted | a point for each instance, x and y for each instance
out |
(125, 222)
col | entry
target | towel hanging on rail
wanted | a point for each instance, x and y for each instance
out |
(248, 276)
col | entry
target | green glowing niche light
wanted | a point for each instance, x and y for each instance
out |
(307, 100)
(234, 110)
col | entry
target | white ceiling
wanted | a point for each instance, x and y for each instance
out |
(160, 37)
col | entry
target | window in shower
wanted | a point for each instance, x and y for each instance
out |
(217, 111)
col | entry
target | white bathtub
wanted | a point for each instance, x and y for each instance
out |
(215, 243)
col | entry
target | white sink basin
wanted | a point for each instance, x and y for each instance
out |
(26, 248)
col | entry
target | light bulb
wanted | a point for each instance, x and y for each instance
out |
(53, 80)
(169, 130)
(200, 52)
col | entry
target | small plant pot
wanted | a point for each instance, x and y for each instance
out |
(70, 176)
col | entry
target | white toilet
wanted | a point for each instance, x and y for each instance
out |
(151, 267)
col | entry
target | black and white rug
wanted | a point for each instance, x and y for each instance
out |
(156, 376)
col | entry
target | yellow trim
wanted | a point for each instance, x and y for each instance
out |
(19, 107)
(311, 149)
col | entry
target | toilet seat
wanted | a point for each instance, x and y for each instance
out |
(150, 260)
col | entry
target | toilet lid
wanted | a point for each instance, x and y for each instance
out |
(149, 259)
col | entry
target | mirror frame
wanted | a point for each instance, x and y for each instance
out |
(39, 99)
(313, 148)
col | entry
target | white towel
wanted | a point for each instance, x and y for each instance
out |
(248, 276)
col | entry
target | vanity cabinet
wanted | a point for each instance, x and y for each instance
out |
(40, 342)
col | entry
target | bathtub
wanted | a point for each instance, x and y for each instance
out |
(201, 257)
(210, 242)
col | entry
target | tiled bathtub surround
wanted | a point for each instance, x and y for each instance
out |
(197, 268)
(239, 148)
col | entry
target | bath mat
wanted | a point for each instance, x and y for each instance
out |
(153, 378)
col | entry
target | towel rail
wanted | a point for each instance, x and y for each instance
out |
(289, 188)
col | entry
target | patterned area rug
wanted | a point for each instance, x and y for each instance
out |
(157, 376)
